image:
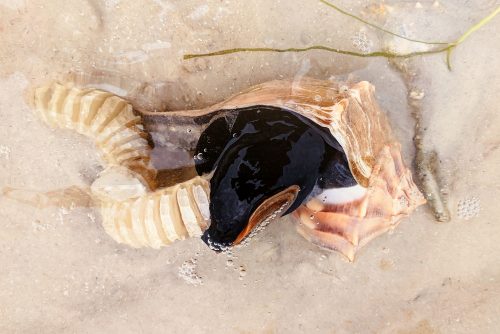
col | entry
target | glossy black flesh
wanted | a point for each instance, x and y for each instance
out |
(265, 152)
(221, 129)
(211, 144)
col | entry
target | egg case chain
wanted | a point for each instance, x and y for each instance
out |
(132, 211)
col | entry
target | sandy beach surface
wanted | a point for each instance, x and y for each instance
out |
(61, 273)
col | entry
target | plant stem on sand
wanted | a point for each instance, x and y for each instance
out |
(448, 47)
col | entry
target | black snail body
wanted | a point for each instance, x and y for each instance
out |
(256, 153)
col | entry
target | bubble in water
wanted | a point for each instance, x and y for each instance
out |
(468, 208)
(187, 271)
(361, 42)
(4, 152)
(243, 272)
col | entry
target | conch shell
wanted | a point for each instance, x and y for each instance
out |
(322, 141)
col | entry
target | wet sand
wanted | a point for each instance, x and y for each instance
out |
(62, 273)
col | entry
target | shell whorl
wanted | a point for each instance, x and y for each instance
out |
(107, 119)
(349, 225)
(159, 218)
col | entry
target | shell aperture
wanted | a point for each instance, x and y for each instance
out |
(265, 151)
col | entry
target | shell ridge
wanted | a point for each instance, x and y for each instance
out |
(167, 217)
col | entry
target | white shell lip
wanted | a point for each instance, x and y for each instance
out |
(342, 195)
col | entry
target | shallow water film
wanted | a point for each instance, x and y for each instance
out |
(65, 270)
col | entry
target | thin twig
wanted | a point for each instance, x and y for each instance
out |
(426, 161)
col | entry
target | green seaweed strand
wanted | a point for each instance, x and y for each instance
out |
(472, 29)
(387, 54)
(378, 27)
